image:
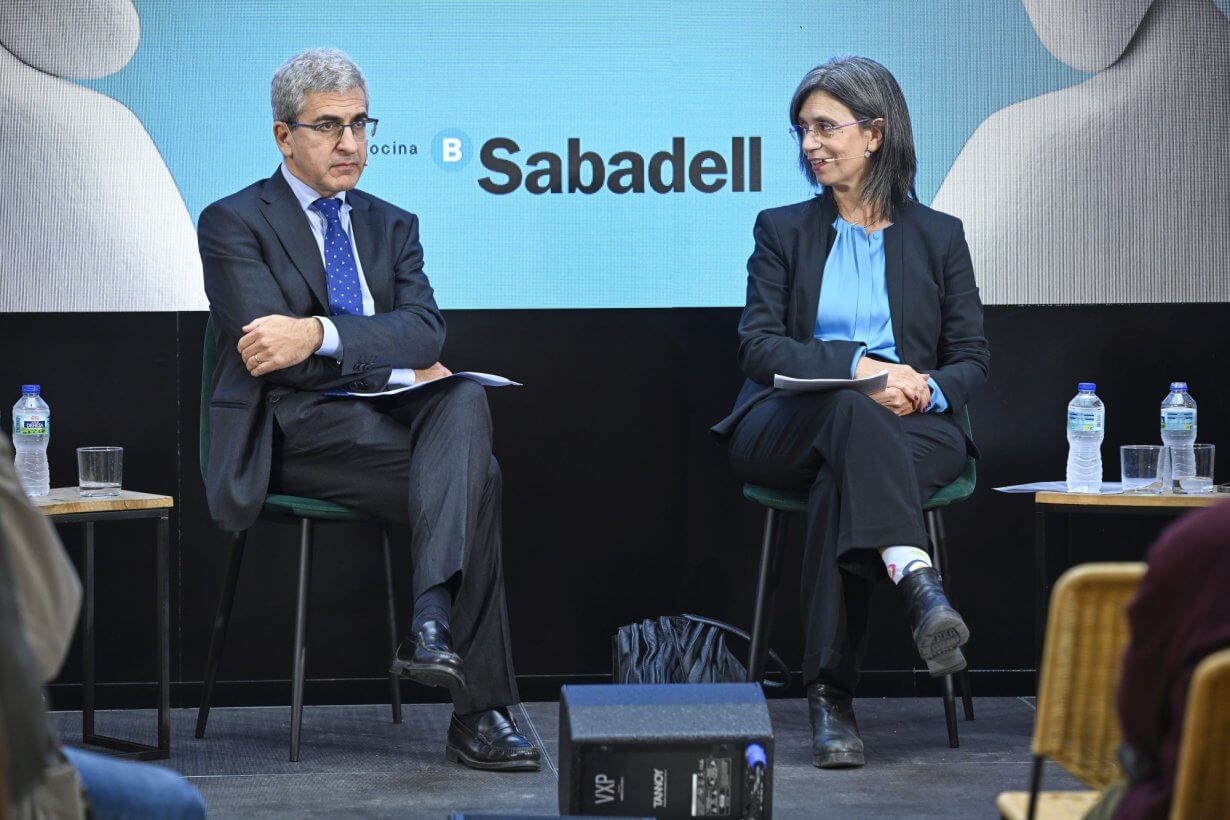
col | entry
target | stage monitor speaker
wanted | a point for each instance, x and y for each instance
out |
(667, 750)
(458, 815)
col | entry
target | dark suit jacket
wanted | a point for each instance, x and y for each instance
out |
(260, 258)
(933, 302)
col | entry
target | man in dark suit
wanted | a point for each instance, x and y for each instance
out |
(317, 294)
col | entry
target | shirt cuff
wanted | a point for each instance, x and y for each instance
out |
(401, 377)
(939, 402)
(331, 343)
(858, 357)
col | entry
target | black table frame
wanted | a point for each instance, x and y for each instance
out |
(1049, 531)
(128, 748)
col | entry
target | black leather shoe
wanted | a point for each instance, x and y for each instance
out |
(939, 631)
(835, 743)
(427, 657)
(490, 740)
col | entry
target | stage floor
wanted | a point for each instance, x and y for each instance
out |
(355, 763)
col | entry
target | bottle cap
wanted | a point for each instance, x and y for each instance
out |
(1180, 386)
(30, 388)
(1086, 386)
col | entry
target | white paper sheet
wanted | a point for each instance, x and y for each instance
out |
(485, 379)
(1108, 487)
(868, 384)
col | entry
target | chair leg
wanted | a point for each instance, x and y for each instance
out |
(300, 651)
(1035, 783)
(766, 586)
(950, 713)
(967, 694)
(935, 531)
(222, 621)
(391, 608)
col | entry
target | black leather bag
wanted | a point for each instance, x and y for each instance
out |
(682, 649)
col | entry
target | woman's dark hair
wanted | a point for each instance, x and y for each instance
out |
(870, 91)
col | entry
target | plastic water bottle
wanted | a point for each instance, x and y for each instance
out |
(31, 430)
(1179, 432)
(1086, 427)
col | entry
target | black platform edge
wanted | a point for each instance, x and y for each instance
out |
(534, 688)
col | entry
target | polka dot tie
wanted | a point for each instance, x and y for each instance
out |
(341, 272)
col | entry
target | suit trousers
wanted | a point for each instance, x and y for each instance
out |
(867, 472)
(421, 458)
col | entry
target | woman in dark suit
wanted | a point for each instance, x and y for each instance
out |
(857, 280)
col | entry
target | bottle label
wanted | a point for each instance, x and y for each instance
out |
(1179, 420)
(1086, 421)
(30, 425)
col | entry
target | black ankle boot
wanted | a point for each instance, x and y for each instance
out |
(939, 631)
(835, 743)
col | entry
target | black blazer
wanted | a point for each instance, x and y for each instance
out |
(932, 298)
(260, 258)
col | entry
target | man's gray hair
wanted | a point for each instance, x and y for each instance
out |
(317, 69)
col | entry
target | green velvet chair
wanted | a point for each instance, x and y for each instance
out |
(305, 512)
(786, 501)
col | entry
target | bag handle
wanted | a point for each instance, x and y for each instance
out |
(782, 668)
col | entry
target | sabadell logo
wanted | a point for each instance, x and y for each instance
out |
(575, 170)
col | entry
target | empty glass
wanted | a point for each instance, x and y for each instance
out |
(100, 471)
(1141, 468)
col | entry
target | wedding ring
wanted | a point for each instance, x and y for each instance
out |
(256, 359)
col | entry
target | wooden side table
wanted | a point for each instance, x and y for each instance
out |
(1051, 511)
(64, 505)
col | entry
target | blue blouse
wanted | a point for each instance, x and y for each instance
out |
(854, 300)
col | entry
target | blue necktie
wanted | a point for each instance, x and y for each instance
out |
(341, 272)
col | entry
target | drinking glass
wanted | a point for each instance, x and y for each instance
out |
(1201, 479)
(1141, 468)
(99, 471)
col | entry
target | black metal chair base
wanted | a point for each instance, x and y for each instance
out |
(129, 749)
(767, 579)
(299, 656)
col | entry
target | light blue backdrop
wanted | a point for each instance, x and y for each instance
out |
(617, 75)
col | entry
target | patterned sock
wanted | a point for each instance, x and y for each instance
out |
(899, 560)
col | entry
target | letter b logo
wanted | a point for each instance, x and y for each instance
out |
(451, 149)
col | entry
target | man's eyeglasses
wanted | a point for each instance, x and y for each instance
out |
(822, 129)
(332, 129)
